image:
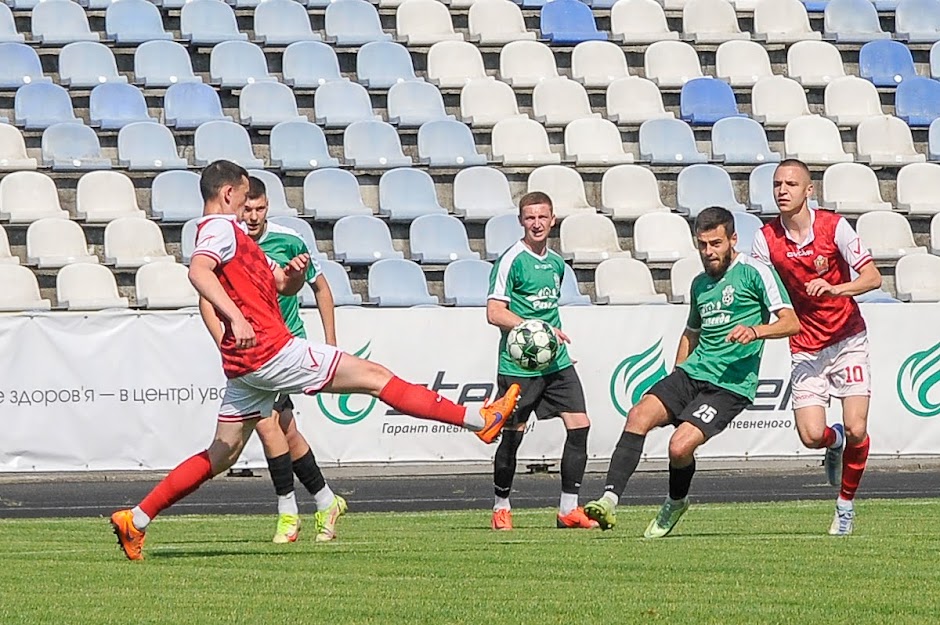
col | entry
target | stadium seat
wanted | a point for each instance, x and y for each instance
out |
(467, 281)
(362, 240)
(636, 22)
(8, 32)
(885, 63)
(500, 233)
(57, 22)
(208, 22)
(671, 63)
(710, 21)
(888, 235)
(309, 64)
(452, 64)
(783, 21)
(850, 100)
(274, 190)
(406, 194)
(234, 64)
(918, 189)
(886, 141)
(87, 64)
(496, 22)
(21, 66)
(669, 142)
(625, 282)
(852, 188)
(917, 21)
(595, 142)
(742, 63)
(188, 238)
(438, 240)
(340, 103)
(282, 22)
(303, 229)
(760, 189)
(72, 147)
(634, 100)
(398, 283)
(164, 285)
(188, 105)
(300, 146)
(570, 294)
(162, 63)
(424, 22)
(38, 105)
(526, 63)
(568, 22)
(87, 288)
(776, 101)
(148, 146)
(917, 278)
(447, 143)
(411, 104)
(598, 63)
(338, 280)
(373, 145)
(814, 140)
(521, 142)
(382, 64)
(52, 243)
(814, 63)
(175, 196)
(917, 101)
(564, 185)
(681, 274)
(267, 104)
(662, 237)
(103, 196)
(701, 186)
(852, 21)
(628, 191)
(20, 290)
(745, 226)
(26, 196)
(704, 101)
(589, 239)
(353, 23)
(130, 242)
(13, 154)
(481, 193)
(224, 140)
(112, 106)
(330, 194)
(935, 235)
(741, 141)
(560, 101)
(484, 102)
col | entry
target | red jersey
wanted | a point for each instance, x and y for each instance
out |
(830, 250)
(246, 275)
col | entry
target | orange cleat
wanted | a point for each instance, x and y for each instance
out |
(495, 414)
(502, 520)
(129, 537)
(576, 519)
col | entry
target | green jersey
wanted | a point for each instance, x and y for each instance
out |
(281, 245)
(531, 285)
(746, 295)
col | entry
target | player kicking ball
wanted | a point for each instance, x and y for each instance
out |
(717, 365)
(813, 251)
(261, 358)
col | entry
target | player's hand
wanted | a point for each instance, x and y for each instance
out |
(243, 332)
(298, 264)
(742, 334)
(820, 288)
(561, 335)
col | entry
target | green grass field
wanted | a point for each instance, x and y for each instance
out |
(761, 563)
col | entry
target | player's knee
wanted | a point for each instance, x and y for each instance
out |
(682, 448)
(639, 420)
(222, 455)
(812, 439)
(855, 434)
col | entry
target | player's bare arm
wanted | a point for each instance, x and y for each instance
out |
(499, 315)
(211, 320)
(290, 279)
(687, 344)
(787, 324)
(869, 279)
(326, 308)
(203, 278)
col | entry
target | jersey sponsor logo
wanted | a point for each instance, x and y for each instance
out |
(800, 253)
(542, 266)
(918, 382)
(348, 409)
(822, 264)
(545, 299)
(716, 320)
(634, 376)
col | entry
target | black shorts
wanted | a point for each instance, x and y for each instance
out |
(283, 402)
(546, 395)
(708, 407)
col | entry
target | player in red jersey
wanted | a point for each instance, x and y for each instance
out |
(814, 252)
(261, 358)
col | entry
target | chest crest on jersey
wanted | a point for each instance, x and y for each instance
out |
(727, 295)
(822, 264)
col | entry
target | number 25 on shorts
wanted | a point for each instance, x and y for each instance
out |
(705, 413)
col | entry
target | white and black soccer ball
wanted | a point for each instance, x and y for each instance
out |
(532, 344)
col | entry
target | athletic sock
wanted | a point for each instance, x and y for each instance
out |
(502, 503)
(324, 498)
(624, 461)
(418, 401)
(141, 518)
(854, 459)
(308, 472)
(287, 504)
(573, 461)
(504, 463)
(830, 439)
(567, 503)
(680, 479)
(611, 497)
(183, 480)
(282, 474)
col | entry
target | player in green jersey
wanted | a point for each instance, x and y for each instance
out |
(525, 284)
(717, 365)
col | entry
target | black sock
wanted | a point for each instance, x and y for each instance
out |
(504, 464)
(573, 460)
(680, 480)
(624, 461)
(309, 474)
(281, 474)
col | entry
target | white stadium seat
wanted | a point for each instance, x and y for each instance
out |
(886, 140)
(130, 242)
(560, 101)
(20, 290)
(776, 100)
(671, 63)
(681, 275)
(662, 238)
(629, 191)
(87, 287)
(520, 141)
(626, 282)
(26, 196)
(165, 285)
(917, 278)
(598, 63)
(526, 63)
(814, 140)
(918, 188)
(742, 63)
(105, 195)
(711, 21)
(589, 238)
(814, 63)
(52, 243)
(595, 142)
(564, 185)
(888, 235)
(852, 188)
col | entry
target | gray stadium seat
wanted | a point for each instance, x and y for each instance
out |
(411, 104)
(447, 143)
(282, 22)
(208, 22)
(114, 105)
(72, 147)
(332, 194)
(406, 193)
(300, 146)
(669, 142)
(338, 280)
(481, 193)
(20, 66)
(500, 233)
(438, 240)
(309, 64)
(191, 104)
(39, 105)
(353, 23)
(340, 103)
(162, 63)
(87, 64)
(382, 64)
(398, 283)
(466, 282)
(148, 146)
(274, 189)
(267, 104)
(216, 140)
(56, 22)
(133, 22)
(701, 186)
(234, 64)
(362, 240)
(373, 145)
(175, 197)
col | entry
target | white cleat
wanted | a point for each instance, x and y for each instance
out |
(844, 520)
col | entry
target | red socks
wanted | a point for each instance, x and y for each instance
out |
(183, 480)
(829, 438)
(417, 401)
(854, 459)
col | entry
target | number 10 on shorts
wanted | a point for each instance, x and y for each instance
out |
(854, 374)
(705, 413)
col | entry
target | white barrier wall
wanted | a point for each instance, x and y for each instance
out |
(135, 390)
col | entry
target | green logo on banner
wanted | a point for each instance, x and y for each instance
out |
(917, 377)
(635, 375)
(342, 408)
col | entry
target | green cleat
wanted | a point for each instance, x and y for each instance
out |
(667, 518)
(288, 527)
(326, 520)
(602, 511)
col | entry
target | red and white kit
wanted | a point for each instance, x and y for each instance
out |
(830, 355)
(278, 362)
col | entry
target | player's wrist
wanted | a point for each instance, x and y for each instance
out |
(756, 333)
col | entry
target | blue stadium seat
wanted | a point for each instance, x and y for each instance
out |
(330, 194)
(39, 105)
(8, 30)
(87, 64)
(20, 66)
(438, 240)
(885, 63)
(208, 22)
(162, 64)
(570, 292)
(381, 64)
(133, 22)
(917, 21)
(216, 140)
(669, 142)
(309, 64)
(933, 141)
(411, 104)
(114, 105)
(70, 147)
(568, 22)
(500, 233)
(190, 104)
(447, 143)
(852, 21)
(406, 194)
(274, 189)
(340, 103)
(353, 23)
(917, 101)
(300, 146)
(148, 146)
(746, 226)
(302, 228)
(704, 101)
(362, 240)
(267, 104)
(234, 64)
(373, 144)
(56, 22)
(397, 283)
(701, 186)
(175, 197)
(467, 283)
(741, 141)
(338, 280)
(282, 22)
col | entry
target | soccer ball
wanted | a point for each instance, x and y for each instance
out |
(532, 344)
